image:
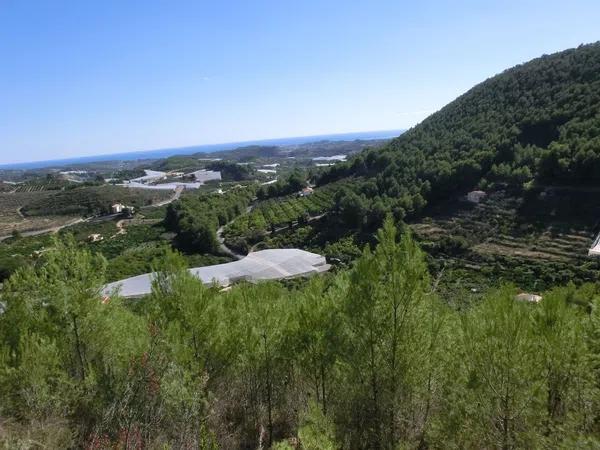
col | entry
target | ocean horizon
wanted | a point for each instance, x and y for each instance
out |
(203, 148)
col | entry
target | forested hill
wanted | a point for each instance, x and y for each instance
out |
(537, 121)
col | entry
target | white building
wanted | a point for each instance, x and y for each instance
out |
(273, 264)
(476, 196)
(117, 208)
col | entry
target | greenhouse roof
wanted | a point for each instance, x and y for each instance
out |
(271, 264)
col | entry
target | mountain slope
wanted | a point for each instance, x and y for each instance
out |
(539, 120)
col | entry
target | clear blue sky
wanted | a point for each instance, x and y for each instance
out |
(84, 77)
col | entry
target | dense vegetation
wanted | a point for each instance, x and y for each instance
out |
(292, 184)
(538, 121)
(195, 218)
(268, 216)
(371, 358)
(231, 171)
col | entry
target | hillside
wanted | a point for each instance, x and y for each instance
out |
(409, 344)
(89, 200)
(529, 137)
(537, 121)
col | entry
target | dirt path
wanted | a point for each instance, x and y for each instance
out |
(45, 230)
(221, 239)
(176, 195)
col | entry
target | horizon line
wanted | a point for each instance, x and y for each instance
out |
(104, 156)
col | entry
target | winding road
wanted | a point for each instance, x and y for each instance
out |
(176, 195)
(221, 239)
(56, 229)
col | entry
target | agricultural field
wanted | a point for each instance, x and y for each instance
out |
(131, 247)
(93, 200)
(43, 184)
(535, 240)
(12, 216)
(270, 215)
(31, 207)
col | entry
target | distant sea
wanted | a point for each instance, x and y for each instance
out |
(166, 152)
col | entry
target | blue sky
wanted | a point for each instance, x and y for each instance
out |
(83, 78)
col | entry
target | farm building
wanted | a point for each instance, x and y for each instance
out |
(273, 264)
(117, 208)
(476, 196)
(305, 192)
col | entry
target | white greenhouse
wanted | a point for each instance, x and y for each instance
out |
(271, 264)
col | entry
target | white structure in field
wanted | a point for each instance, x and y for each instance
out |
(150, 177)
(202, 176)
(476, 196)
(526, 297)
(595, 248)
(330, 158)
(271, 264)
(117, 208)
(95, 237)
(306, 192)
(164, 186)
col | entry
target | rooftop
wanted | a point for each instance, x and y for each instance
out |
(271, 264)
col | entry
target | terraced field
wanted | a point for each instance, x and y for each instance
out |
(278, 212)
(37, 185)
(533, 239)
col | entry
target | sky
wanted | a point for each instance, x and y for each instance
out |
(96, 77)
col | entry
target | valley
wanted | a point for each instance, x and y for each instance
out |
(435, 290)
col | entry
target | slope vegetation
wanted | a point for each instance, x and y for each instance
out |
(537, 121)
